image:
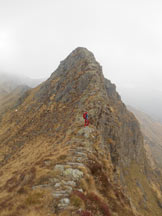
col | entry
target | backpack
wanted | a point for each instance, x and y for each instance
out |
(85, 116)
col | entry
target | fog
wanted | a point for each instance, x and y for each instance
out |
(125, 37)
(148, 101)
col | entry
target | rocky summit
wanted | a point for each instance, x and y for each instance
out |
(51, 164)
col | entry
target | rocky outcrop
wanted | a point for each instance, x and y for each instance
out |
(63, 168)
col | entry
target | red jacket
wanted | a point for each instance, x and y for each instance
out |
(85, 115)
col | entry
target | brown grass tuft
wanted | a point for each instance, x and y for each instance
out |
(101, 204)
(34, 198)
(85, 213)
(77, 201)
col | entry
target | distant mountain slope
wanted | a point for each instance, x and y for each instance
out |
(3, 92)
(51, 165)
(152, 131)
(9, 82)
(8, 100)
(12, 87)
(147, 100)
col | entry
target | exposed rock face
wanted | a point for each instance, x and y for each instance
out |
(60, 167)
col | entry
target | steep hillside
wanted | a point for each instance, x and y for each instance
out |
(152, 131)
(8, 83)
(52, 165)
(12, 87)
(8, 100)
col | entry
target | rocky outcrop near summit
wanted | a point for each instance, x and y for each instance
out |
(52, 165)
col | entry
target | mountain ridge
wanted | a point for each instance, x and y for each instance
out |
(59, 167)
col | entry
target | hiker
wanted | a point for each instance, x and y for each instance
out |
(85, 116)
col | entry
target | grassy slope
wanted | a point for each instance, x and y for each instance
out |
(44, 133)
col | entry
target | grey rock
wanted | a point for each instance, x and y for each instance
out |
(57, 185)
(84, 81)
(47, 162)
(64, 203)
(86, 132)
(71, 183)
(69, 189)
(59, 167)
(75, 164)
(53, 180)
(80, 153)
(40, 186)
(57, 194)
(80, 190)
(74, 173)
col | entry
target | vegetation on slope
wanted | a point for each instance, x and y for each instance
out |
(52, 165)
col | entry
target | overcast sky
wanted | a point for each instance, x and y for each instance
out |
(125, 37)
